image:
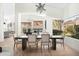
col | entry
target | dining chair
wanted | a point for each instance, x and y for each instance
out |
(60, 41)
(32, 41)
(45, 40)
(16, 41)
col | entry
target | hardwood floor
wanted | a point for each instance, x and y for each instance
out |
(45, 52)
(66, 51)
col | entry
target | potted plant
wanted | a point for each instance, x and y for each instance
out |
(24, 30)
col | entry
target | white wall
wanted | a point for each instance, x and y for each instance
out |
(7, 11)
(19, 25)
(1, 24)
(49, 25)
(9, 14)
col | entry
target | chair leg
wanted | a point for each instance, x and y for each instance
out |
(14, 46)
(37, 45)
(28, 45)
(41, 47)
(63, 44)
(48, 46)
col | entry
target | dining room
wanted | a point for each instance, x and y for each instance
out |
(38, 29)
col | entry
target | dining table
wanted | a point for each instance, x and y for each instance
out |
(52, 37)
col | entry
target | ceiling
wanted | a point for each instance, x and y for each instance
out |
(52, 9)
(57, 5)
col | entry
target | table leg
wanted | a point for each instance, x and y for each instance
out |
(0, 49)
(26, 43)
(23, 44)
(54, 44)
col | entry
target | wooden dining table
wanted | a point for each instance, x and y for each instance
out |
(25, 39)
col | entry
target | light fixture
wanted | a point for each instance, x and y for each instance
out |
(40, 7)
(4, 23)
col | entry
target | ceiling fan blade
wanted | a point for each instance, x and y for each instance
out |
(36, 5)
(40, 7)
(44, 9)
(43, 5)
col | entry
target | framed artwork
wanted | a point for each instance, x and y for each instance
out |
(26, 24)
(37, 24)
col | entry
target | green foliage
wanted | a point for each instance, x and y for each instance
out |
(24, 30)
(57, 32)
(57, 24)
(57, 27)
(69, 30)
(76, 28)
(76, 35)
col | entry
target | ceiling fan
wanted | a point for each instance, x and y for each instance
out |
(40, 7)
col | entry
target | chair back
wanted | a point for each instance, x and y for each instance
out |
(32, 38)
(45, 37)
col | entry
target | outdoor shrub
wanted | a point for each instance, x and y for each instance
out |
(57, 32)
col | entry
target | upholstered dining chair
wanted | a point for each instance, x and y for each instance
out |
(16, 41)
(32, 41)
(60, 41)
(45, 40)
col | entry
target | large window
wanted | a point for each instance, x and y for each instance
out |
(57, 27)
(71, 28)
